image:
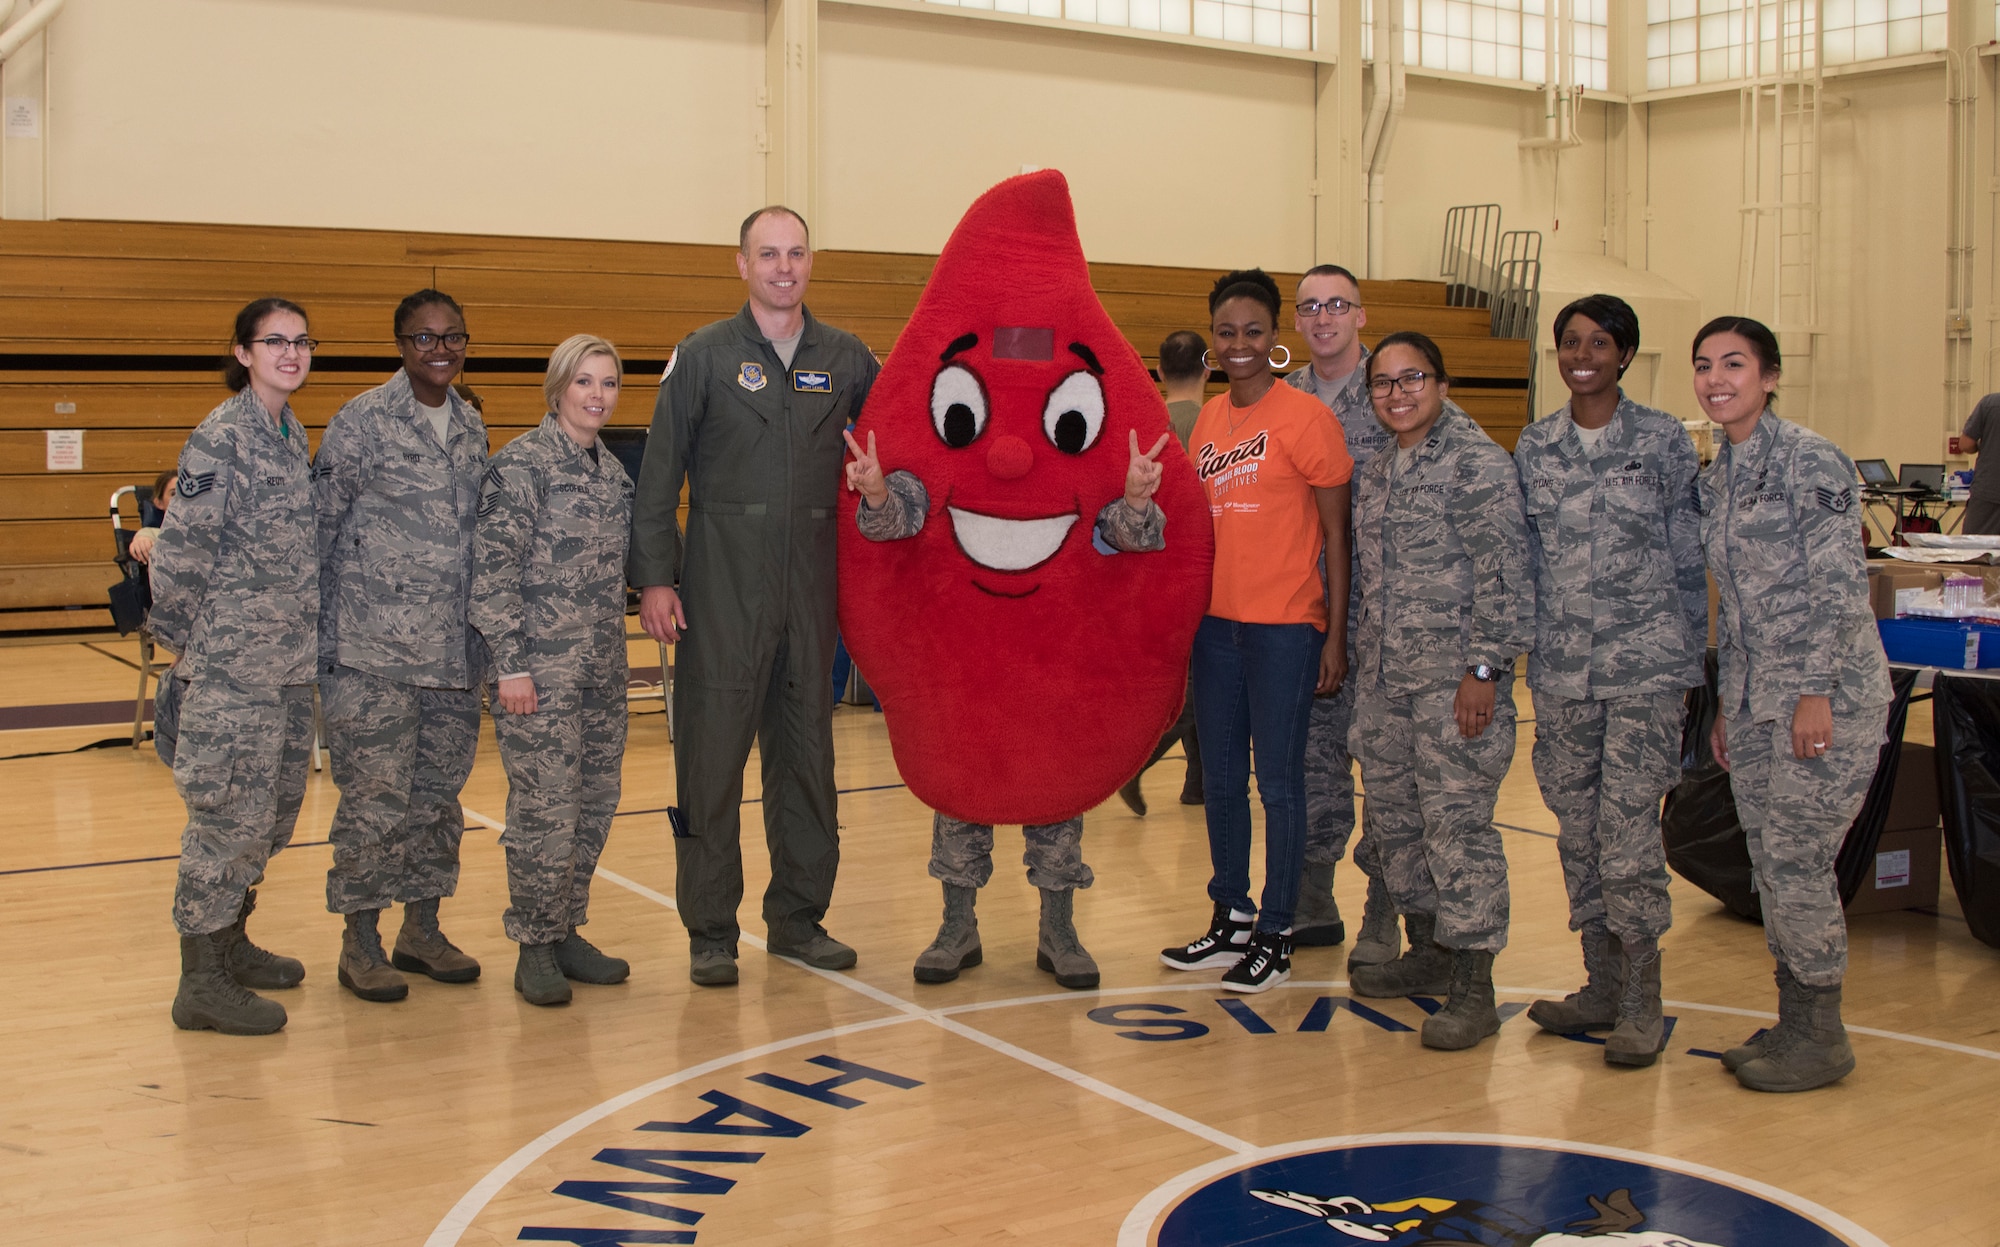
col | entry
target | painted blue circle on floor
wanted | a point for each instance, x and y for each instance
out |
(1494, 1195)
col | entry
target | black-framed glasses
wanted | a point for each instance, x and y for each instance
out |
(276, 345)
(1408, 382)
(425, 341)
(1333, 307)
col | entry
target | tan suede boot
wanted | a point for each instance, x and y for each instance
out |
(421, 947)
(1594, 1006)
(363, 969)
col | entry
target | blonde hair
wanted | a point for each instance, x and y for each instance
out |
(568, 357)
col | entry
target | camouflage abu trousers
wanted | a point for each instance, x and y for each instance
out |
(1430, 809)
(241, 768)
(1603, 766)
(1330, 782)
(1795, 815)
(962, 854)
(400, 754)
(563, 763)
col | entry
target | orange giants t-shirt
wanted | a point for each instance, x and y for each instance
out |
(1259, 465)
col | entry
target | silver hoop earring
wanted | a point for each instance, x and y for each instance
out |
(1207, 364)
(1286, 362)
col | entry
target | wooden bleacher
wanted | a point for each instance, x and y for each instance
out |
(118, 329)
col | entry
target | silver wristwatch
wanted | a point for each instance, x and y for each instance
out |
(1483, 673)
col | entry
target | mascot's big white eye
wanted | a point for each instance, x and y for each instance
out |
(1075, 413)
(958, 406)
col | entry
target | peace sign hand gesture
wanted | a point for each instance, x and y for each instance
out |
(1142, 477)
(864, 471)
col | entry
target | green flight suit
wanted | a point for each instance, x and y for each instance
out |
(760, 448)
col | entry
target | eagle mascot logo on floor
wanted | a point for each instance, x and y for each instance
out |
(1025, 671)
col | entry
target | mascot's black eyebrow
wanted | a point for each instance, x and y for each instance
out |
(964, 342)
(1088, 356)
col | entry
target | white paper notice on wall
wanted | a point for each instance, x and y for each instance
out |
(24, 117)
(65, 450)
(1892, 869)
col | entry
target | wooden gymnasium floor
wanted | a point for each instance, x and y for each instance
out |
(1000, 1108)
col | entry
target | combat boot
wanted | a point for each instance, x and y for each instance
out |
(1788, 1008)
(1380, 941)
(1469, 1014)
(1594, 1006)
(209, 999)
(538, 977)
(956, 947)
(363, 969)
(1813, 1055)
(1425, 969)
(422, 949)
(583, 961)
(1317, 924)
(1641, 1033)
(1057, 949)
(252, 966)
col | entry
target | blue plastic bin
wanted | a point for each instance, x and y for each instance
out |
(1940, 643)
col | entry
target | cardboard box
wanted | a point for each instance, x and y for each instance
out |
(1913, 803)
(1906, 873)
(1886, 576)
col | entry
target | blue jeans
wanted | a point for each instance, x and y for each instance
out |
(1253, 685)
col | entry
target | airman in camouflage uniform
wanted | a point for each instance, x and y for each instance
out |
(399, 671)
(548, 596)
(1779, 524)
(1329, 767)
(1620, 623)
(235, 596)
(1445, 595)
(962, 852)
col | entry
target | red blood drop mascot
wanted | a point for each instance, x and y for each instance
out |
(1021, 605)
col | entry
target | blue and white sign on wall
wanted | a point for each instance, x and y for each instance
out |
(1489, 1191)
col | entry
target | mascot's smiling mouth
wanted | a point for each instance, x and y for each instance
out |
(1004, 545)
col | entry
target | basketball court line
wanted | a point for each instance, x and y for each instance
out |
(455, 1222)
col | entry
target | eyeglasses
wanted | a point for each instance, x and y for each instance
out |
(276, 345)
(1409, 383)
(425, 341)
(1333, 307)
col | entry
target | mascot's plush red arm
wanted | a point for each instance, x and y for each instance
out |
(1025, 673)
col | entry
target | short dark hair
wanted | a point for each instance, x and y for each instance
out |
(1246, 283)
(1416, 341)
(1609, 312)
(1762, 341)
(1180, 356)
(1330, 270)
(743, 235)
(248, 322)
(424, 298)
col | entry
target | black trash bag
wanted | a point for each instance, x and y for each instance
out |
(167, 694)
(1856, 862)
(1705, 844)
(1965, 716)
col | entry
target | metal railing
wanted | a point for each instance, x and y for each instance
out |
(1471, 247)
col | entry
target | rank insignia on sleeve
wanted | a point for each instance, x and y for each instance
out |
(193, 484)
(813, 382)
(751, 377)
(1838, 501)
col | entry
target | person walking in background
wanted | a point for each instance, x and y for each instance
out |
(1185, 379)
(1982, 507)
(1447, 605)
(1802, 693)
(1275, 470)
(548, 597)
(1621, 619)
(750, 418)
(236, 599)
(396, 482)
(1329, 315)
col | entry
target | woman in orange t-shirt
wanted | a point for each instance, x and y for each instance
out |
(1275, 467)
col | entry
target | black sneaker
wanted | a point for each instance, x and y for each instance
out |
(1265, 964)
(1223, 945)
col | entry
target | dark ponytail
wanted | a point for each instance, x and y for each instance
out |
(248, 322)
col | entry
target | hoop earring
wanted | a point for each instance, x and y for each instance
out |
(1207, 364)
(1284, 363)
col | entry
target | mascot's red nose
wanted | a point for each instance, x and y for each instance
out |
(1010, 458)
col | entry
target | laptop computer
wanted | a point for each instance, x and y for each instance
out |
(1875, 473)
(1928, 477)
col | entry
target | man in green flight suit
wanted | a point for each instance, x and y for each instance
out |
(750, 415)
